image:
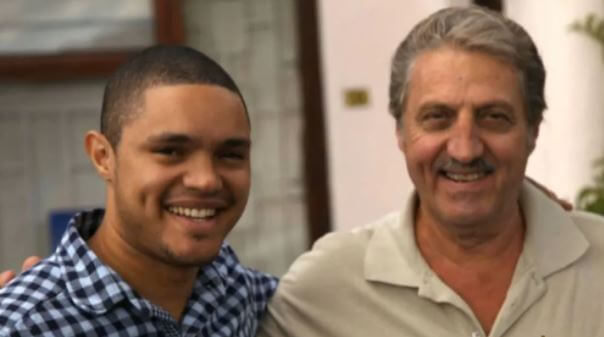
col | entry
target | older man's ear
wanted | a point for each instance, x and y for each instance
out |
(8, 275)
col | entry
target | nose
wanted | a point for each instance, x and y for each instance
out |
(464, 143)
(202, 175)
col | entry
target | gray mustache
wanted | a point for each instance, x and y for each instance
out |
(476, 165)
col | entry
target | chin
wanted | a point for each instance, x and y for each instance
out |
(191, 261)
(466, 216)
(465, 220)
(193, 255)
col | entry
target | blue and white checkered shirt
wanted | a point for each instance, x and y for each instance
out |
(72, 293)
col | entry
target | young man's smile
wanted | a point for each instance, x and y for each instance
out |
(199, 216)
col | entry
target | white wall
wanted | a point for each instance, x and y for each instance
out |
(256, 43)
(572, 135)
(44, 167)
(367, 174)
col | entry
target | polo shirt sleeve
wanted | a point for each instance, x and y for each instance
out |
(310, 296)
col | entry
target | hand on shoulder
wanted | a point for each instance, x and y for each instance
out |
(7, 275)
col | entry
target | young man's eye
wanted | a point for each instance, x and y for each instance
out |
(168, 151)
(233, 155)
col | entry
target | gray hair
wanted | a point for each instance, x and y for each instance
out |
(476, 29)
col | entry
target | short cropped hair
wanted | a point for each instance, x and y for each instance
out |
(475, 29)
(155, 66)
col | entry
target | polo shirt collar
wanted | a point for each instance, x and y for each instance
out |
(91, 285)
(392, 256)
(552, 242)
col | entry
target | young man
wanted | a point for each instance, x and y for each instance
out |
(174, 152)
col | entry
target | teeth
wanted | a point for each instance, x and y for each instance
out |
(464, 177)
(192, 212)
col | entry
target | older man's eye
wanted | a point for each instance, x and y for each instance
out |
(435, 119)
(434, 115)
(496, 119)
(498, 116)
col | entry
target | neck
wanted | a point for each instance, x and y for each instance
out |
(164, 285)
(464, 244)
(477, 261)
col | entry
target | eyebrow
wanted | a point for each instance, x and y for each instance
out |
(237, 142)
(435, 104)
(496, 103)
(179, 138)
(168, 137)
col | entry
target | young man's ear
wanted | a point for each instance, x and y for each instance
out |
(101, 154)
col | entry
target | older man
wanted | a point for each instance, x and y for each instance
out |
(476, 251)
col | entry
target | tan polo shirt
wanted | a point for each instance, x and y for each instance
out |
(374, 282)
